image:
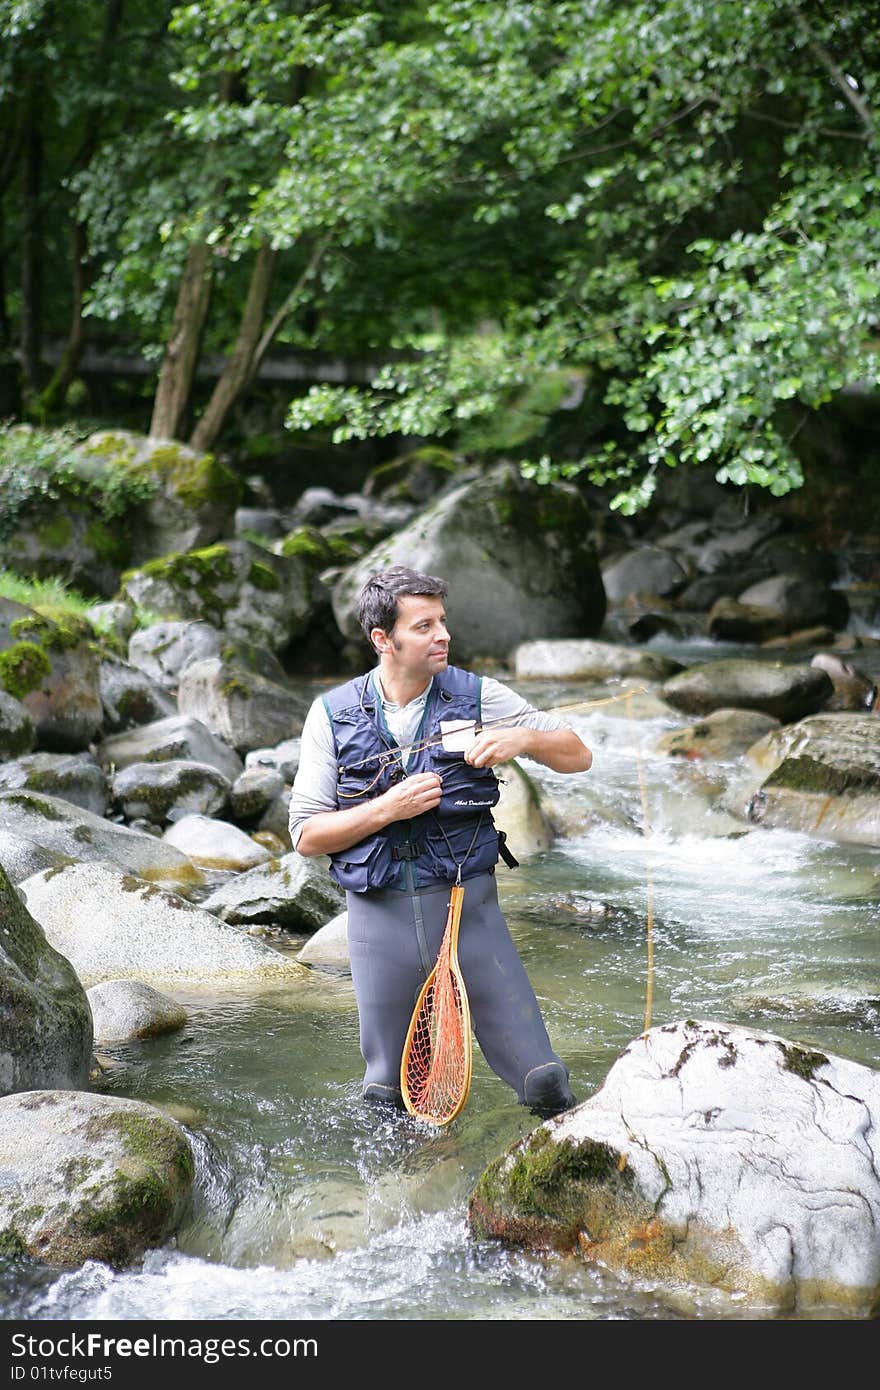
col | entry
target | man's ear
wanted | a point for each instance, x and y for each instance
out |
(379, 638)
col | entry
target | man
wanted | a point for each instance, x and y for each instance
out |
(402, 804)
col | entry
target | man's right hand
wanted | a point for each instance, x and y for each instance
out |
(413, 796)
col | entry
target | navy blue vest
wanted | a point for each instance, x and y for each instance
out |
(428, 849)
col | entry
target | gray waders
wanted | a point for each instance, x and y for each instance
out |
(394, 938)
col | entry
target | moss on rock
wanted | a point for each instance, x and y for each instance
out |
(23, 668)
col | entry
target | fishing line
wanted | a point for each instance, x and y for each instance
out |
(649, 883)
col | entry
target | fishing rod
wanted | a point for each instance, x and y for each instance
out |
(389, 756)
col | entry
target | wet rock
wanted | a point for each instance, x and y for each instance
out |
(123, 1010)
(165, 792)
(215, 844)
(16, 728)
(244, 709)
(45, 1024)
(112, 925)
(826, 779)
(293, 892)
(89, 1177)
(177, 738)
(852, 689)
(523, 548)
(589, 660)
(648, 570)
(163, 650)
(130, 697)
(713, 1157)
(328, 948)
(60, 828)
(785, 692)
(725, 733)
(74, 777)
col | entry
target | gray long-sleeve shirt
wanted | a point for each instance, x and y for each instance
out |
(314, 788)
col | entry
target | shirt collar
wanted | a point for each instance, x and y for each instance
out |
(389, 704)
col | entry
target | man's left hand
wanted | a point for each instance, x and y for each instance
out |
(495, 746)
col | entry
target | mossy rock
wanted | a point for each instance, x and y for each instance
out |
(90, 1177)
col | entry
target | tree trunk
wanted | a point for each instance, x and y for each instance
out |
(182, 352)
(239, 365)
(31, 243)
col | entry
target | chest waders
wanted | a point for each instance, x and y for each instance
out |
(395, 928)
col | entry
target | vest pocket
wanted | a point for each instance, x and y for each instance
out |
(364, 866)
(466, 790)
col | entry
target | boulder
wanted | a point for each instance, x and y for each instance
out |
(723, 734)
(589, 660)
(275, 820)
(240, 707)
(16, 728)
(253, 792)
(252, 594)
(177, 738)
(75, 777)
(163, 650)
(192, 496)
(113, 619)
(328, 948)
(52, 668)
(130, 697)
(60, 828)
(259, 521)
(89, 1177)
(112, 925)
(284, 756)
(713, 1159)
(20, 857)
(165, 792)
(825, 779)
(802, 601)
(123, 1010)
(215, 844)
(517, 556)
(45, 1023)
(785, 692)
(292, 892)
(650, 569)
(732, 621)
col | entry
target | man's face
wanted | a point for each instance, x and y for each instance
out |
(419, 641)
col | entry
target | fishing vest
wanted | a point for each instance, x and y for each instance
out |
(427, 850)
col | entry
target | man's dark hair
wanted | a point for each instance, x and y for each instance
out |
(377, 604)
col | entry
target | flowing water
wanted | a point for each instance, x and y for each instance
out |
(310, 1205)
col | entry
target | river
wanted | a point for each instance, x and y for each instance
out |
(310, 1205)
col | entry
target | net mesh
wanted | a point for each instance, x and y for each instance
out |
(435, 1073)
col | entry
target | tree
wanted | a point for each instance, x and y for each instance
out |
(702, 154)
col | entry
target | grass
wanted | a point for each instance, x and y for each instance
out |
(55, 599)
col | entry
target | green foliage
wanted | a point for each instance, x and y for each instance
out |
(40, 469)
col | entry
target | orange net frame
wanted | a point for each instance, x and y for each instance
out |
(435, 1071)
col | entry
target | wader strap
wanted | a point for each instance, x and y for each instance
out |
(419, 922)
(505, 853)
